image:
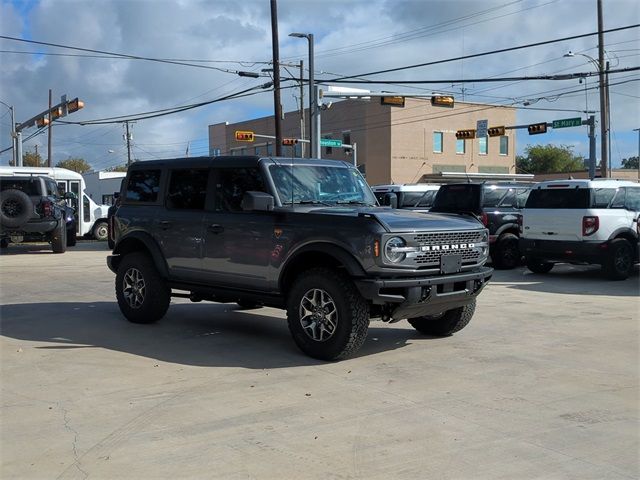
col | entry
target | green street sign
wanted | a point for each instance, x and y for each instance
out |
(329, 142)
(567, 122)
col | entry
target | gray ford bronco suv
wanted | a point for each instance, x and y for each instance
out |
(303, 235)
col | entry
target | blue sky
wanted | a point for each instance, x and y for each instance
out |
(351, 36)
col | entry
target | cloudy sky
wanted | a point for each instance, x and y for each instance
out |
(218, 38)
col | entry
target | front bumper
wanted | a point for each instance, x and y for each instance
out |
(419, 296)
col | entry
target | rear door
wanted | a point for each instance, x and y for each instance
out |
(555, 213)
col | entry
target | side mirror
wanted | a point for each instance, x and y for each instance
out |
(257, 202)
(116, 195)
(70, 196)
(390, 200)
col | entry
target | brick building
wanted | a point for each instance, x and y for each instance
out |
(394, 144)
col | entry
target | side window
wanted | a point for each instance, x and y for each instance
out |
(52, 188)
(521, 196)
(509, 199)
(233, 183)
(143, 186)
(86, 213)
(619, 199)
(427, 199)
(633, 199)
(602, 197)
(187, 189)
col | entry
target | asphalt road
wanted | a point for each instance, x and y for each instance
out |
(542, 384)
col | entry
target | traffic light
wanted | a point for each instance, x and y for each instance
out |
(42, 122)
(464, 134)
(244, 136)
(56, 112)
(289, 141)
(74, 105)
(442, 101)
(495, 131)
(537, 128)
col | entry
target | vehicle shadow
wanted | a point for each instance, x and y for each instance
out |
(208, 334)
(569, 279)
(45, 248)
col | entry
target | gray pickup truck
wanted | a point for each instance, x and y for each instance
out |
(304, 235)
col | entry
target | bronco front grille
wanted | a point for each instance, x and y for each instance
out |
(473, 255)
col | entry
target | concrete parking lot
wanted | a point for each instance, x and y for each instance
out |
(542, 384)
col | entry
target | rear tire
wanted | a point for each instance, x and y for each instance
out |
(506, 254)
(448, 323)
(327, 316)
(618, 263)
(71, 237)
(539, 266)
(143, 296)
(59, 237)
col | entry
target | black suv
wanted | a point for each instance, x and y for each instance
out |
(305, 235)
(497, 205)
(32, 209)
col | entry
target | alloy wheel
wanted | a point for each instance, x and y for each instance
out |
(318, 315)
(134, 287)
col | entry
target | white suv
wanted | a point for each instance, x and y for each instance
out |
(582, 221)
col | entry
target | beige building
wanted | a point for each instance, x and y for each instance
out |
(394, 144)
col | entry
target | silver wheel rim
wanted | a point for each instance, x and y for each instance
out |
(133, 288)
(318, 315)
(102, 232)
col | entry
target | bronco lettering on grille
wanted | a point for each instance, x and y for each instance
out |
(447, 248)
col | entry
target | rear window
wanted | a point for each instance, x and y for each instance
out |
(457, 198)
(28, 186)
(558, 198)
(143, 186)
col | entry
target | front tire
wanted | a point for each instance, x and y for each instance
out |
(448, 323)
(618, 262)
(506, 254)
(327, 316)
(101, 231)
(59, 238)
(539, 266)
(143, 296)
(71, 237)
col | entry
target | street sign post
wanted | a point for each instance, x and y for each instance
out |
(330, 142)
(567, 122)
(481, 128)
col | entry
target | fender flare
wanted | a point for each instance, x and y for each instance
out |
(133, 241)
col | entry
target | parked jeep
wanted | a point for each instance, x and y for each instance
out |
(497, 205)
(305, 235)
(31, 209)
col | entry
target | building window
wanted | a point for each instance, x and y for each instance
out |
(346, 138)
(482, 146)
(437, 142)
(504, 145)
(460, 145)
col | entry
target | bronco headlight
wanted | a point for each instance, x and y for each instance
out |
(393, 250)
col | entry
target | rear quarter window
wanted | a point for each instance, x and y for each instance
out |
(29, 186)
(558, 198)
(143, 186)
(457, 198)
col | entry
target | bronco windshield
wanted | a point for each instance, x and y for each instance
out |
(320, 184)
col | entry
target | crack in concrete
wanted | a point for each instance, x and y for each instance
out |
(72, 430)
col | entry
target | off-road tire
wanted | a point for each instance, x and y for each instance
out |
(59, 237)
(618, 261)
(16, 208)
(449, 322)
(71, 237)
(539, 266)
(100, 231)
(352, 314)
(156, 295)
(506, 254)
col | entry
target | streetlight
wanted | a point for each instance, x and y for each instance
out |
(604, 111)
(313, 137)
(13, 133)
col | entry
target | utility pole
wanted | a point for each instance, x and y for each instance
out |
(49, 132)
(128, 139)
(302, 119)
(592, 146)
(604, 115)
(276, 77)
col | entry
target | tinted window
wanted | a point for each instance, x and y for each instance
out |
(492, 197)
(633, 199)
(233, 183)
(417, 199)
(457, 198)
(521, 196)
(558, 198)
(188, 189)
(143, 186)
(52, 188)
(619, 199)
(602, 197)
(28, 186)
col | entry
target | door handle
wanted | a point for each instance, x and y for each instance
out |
(164, 224)
(215, 228)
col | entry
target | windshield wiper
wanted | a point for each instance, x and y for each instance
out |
(312, 202)
(353, 202)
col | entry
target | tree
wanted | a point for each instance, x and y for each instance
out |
(630, 163)
(79, 165)
(32, 159)
(549, 159)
